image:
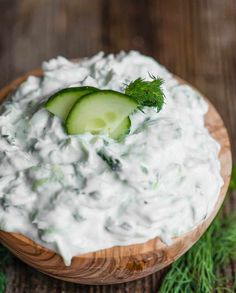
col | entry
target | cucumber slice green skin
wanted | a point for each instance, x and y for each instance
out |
(122, 129)
(61, 102)
(99, 112)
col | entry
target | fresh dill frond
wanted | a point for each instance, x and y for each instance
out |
(147, 93)
(232, 184)
(196, 271)
(193, 272)
(224, 244)
(222, 284)
(2, 282)
(178, 279)
(200, 262)
(4, 257)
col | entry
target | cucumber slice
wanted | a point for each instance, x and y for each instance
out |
(101, 112)
(122, 129)
(61, 102)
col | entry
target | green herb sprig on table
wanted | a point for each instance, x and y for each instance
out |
(196, 271)
(4, 257)
(147, 93)
(232, 184)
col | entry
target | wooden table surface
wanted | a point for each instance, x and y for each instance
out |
(195, 39)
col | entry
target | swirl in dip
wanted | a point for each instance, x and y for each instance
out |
(56, 188)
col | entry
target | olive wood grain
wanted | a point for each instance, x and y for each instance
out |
(121, 263)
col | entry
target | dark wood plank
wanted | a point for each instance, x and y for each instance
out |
(194, 39)
(33, 31)
(127, 26)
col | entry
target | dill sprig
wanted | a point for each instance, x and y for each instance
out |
(178, 279)
(4, 257)
(2, 282)
(187, 273)
(232, 184)
(147, 93)
(201, 265)
(196, 271)
(224, 244)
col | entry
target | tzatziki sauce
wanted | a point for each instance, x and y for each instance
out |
(162, 180)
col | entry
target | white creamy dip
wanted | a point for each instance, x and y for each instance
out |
(57, 190)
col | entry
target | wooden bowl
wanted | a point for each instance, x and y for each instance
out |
(123, 263)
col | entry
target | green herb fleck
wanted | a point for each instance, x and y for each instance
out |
(38, 183)
(147, 93)
(113, 163)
